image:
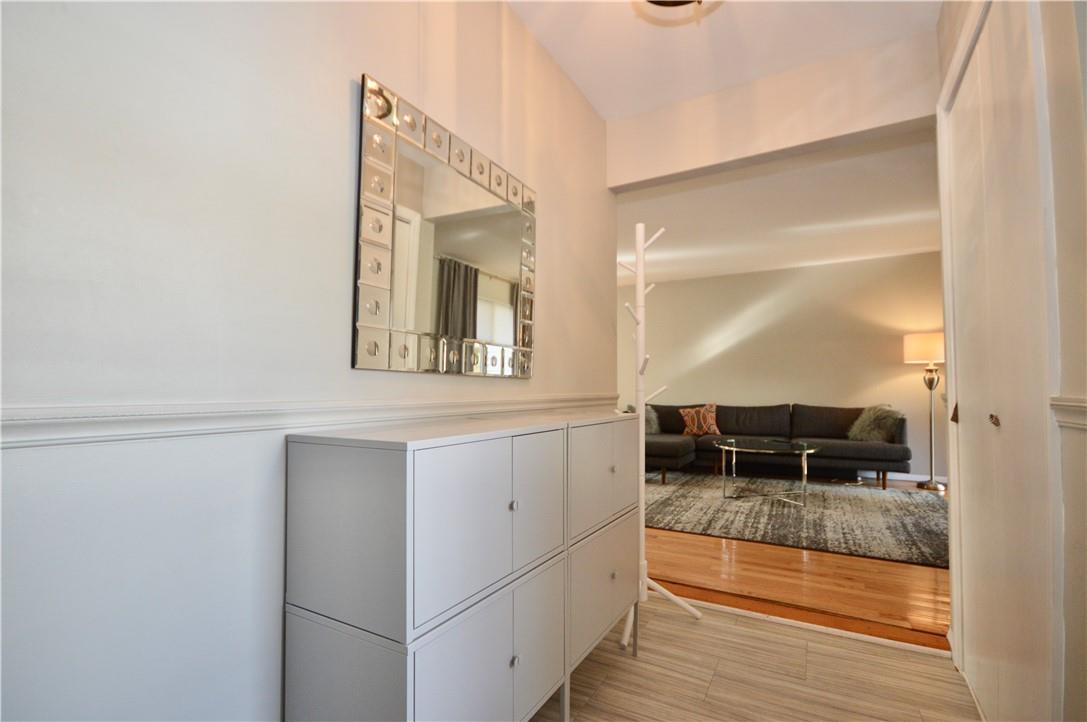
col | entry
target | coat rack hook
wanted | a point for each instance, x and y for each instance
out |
(645, 362)
(656, 235)
(633, 313)
(626, 267)
(655, 394)
(649, 288)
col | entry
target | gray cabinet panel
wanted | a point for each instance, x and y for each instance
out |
(346, 513)
(465, 674)
(538, 473)
(538, 638)
(463, 524)
(625, 454)
(590, 476)
(331, 675)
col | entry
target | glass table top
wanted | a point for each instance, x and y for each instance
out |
(767, 446)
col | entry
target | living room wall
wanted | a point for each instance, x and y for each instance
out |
(827, 335)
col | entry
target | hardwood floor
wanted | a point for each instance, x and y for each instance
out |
(904, 602)
(732, 667)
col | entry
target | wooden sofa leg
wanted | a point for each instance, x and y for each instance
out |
(883, 479)
(664, 476)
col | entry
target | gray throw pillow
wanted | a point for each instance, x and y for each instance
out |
(652, 423)
(876, 423)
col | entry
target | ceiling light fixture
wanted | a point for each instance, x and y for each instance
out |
(673, 3)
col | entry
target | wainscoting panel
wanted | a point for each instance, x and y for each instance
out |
(143, 555)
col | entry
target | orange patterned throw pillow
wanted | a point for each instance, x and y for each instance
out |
(700, 420)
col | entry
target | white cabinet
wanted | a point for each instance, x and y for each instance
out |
(428, 567)
(462, 508)
(603, 583)
(603, 473)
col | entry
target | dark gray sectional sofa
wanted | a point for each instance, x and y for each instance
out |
(826, 427)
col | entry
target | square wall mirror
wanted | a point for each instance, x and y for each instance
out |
(445, 250)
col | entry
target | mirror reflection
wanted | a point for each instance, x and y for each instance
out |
(456, 254)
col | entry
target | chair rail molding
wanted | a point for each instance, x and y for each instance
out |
(30, 426)
(1070, 411)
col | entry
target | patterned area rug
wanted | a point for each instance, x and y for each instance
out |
(901, 526)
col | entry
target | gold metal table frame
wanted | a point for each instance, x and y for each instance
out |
(767, 446)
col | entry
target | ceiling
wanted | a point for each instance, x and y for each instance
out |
(867, 199)
(633, 57)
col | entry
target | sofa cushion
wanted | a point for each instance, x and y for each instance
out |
(700, 421)
(824, 422)
(709, 441)
(668, 445)
(846, 449)
(671, 421)
(754, 420)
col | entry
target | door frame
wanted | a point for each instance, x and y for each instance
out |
(960, 59)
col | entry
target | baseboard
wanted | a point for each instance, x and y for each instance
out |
(56, 425)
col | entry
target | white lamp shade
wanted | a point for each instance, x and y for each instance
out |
(923, 348)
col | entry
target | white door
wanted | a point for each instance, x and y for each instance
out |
(462, 524)
(466, 673)
(538, 638)
(590, 476)
(625, 458)
(538, 474)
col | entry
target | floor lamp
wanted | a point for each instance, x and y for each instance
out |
(928, 349)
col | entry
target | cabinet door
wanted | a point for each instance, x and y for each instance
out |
(625, 460)
(466, 673)
(590, 592)
(624, 551)
(538, 472)
(462, 524)
(590, 476)
(537, 638)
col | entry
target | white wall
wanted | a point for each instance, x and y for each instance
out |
(855, 93)
(179, 204)
(826, 335)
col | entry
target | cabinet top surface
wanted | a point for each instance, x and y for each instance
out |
(425, 433)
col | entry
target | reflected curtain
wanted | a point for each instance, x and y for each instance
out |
(458, 287)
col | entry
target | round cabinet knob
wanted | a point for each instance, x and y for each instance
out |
(432, 356)
(372, 348)
(612, 468)
(494, 361)
(378, 185)
(453, 356)
(373, 307)
(460, 155)
(437, 138)
(403, 350)
(514, 505)
(375, 266)
(378, 142)
(514, 192)
(409, 120)
(514, 661)
(498, 181)
(480, 169)
(528, 227)
(376, 225)
(614, 574)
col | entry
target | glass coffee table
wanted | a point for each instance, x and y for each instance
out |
(766, 446)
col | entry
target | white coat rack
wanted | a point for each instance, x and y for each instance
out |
(637, 311)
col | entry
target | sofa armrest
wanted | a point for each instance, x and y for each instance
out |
(900, 432)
